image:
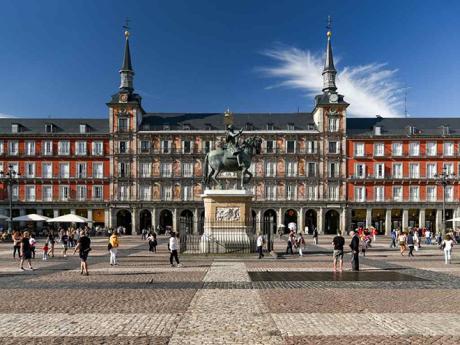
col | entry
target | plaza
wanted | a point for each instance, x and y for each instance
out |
(231, 299)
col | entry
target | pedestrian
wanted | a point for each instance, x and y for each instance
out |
(65, 243)
(83, 247)
(374, 235)
(290, 243)
(113, 245)
(315, 236)
(447, 245)
(26, 252)
(416, 241)
(150, 239)
(393, 239)
(402, 242)
(338, 242)
(173, 249)
(260, 245)
(45, 251)
(364, 244)
(301, 244)
(17, 238)
(354, 245)
(32, 243)
(427, 236)
(51, 242)
(410, 243)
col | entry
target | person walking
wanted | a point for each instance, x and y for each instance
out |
(83, 247)
(32, 243)
(114, 243)
(173, 250)
(51, 242)
(260, 245)
(427, 236)
(447, 245)
(45, 251)
(393, 238)
(26, 252)
(338, 243)
(354, 245)
(416, 240)
(410, 243)
(315, 236)
(289, 244)
(65, 243)
(17, 238)
(301, 244)
(402, 240)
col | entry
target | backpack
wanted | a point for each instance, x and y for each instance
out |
(109, 246)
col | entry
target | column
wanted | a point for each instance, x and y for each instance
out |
(72, 211)
(439, 225)
(55, 213)
(319, 221)
(107, 218)
(134, 221)
(258, 220)
(154, 219)
(195, 220)
(405, 220)
(368, 217)
(343, 221)
(280, 219)
(175, 223)
(388, 222)
(39, 212)
(22, 212)
(456, 215)
(90, 217)
(421, 218)
(301, 225)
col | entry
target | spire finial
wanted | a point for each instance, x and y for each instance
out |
(329, 70)
(329, 27)
(126, 71)
(127, 27)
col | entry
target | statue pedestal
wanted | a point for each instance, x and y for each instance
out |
(226, 221)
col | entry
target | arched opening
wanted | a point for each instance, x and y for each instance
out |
(201, 223)
(396, 219)
(290, 220)
(124, 221)
(186, 222)
(378, 220)
(166, 221)
(269, 222)
(332, 222)
(253, 219)
(310, 221)
(413, 220)
(145, 220)
(358, 218)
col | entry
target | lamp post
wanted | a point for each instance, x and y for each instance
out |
(9, 176)
(443, 179)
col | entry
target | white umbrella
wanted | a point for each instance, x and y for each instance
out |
(31, 218)
(4, 217)
(456, 219)
(68, 218)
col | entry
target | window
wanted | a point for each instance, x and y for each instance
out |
(98, 170)
(431, 193)
(30, 193)
(166, 146)
(333, 192)
(291, 168)
(333, 147)
(431, 170)
(360, 170)
(397, 170)
(47, 193)
(123, 192)
(449, 190)
(63, 148)
(377, 130)
(333, 170)
(1, 147)
(49, 128)
(379, 193)
(166, 169)
(360, 193)
(311, 147)
(359, 149)
(14, 166)
(414, 170)
(13, 148)
(144, 192)
(145, 146)
(30, 170)
(64, 193)
(187, 169)
(81, 193)
(379, 149)
(81, 170)
(291, 192)
(123, 169)
(397, 149)
(187, 193)
(123, 147)
(270, 192)
(167, 193)
(207, 146)
(98, 148)
(448, 149)
(270, 169)
(449, 168)
(15, 192)
(83, 128)
(97, 192)
(80, 148)
(311, 193)
(30, 148)
(379, 170)
(290, 127)
(333, 124)
(64, 170)
(290, 146)
(47, 148)
(144, 169)
(311, 170)
(431, 149)
(14, 128)
(270, 146)
(414, 148)
(47, 170)
(414, 194)
(186, 146)
(123, 124)
(397, 193)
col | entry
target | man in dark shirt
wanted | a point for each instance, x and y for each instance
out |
(354, 245)
(84, 247)
(338, 243)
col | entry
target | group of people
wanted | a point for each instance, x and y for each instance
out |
(295, 242)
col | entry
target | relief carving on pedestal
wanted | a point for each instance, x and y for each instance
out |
(227, 214)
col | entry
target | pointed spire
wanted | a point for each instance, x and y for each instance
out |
(127, 66)
(329, 71)
(126, 71)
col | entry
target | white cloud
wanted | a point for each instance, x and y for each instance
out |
(370, 89)
(3, 115)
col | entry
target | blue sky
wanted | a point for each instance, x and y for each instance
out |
(61, 58)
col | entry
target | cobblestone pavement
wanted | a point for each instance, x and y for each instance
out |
(212, 300)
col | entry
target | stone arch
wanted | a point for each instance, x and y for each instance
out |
(311, 220)
(124, 220)
(290, 218)
(166, 220)
(145, 219)
(186, 222)
(332, 222)
(269, 221)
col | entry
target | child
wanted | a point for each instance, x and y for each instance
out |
(45, 252)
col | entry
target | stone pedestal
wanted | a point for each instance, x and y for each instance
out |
(226, 220)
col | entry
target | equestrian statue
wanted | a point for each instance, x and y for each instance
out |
(233, 156)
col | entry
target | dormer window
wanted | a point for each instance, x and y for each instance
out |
(445, 130)
(208, 127)
(290, 127)
(15, 128)
(377, 130)
(49, 128)
(411, 130)
(249, 126)
(166, 127)
(311, 127)
(270, 127)
(83, 128)
(186, 127)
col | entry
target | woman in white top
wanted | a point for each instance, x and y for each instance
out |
(448, 243)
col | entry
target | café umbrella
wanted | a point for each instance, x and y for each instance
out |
(31, 218)
(68, 218)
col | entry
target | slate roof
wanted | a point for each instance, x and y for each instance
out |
(61, 126)
(202, 121)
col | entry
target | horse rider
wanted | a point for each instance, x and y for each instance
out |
(232, 143)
